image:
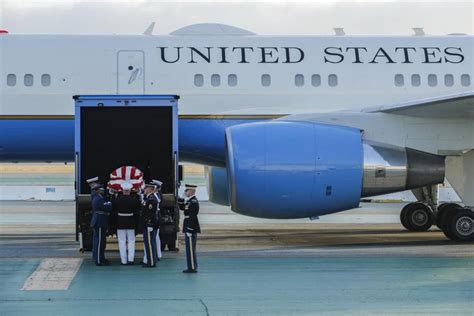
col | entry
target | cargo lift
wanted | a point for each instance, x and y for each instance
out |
(117, 130)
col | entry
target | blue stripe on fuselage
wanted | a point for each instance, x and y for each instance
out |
(37, 140)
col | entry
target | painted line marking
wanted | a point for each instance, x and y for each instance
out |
(53, 274)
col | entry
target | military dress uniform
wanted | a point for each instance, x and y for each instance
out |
(159, 197)
(191, 228)
(126, 208)
(101, 209)
(148, 227)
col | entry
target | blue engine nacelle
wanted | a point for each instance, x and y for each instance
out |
(284, 169)
(216, 182)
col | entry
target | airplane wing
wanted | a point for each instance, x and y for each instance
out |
(459, 105)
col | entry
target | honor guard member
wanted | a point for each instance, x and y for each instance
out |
(101, 209)
(148, 225)
(159, 196)
(126, 208)
(191, 227)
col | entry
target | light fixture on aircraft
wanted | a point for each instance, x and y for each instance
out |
(339, 31)
(418, 31)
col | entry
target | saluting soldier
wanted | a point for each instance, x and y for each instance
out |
(191, 227)
(101, 209)
(148, 225)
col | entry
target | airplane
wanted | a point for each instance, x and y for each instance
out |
(288, 126)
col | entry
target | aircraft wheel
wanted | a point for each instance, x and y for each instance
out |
(442, 208)
(417, 217)
(459, 224)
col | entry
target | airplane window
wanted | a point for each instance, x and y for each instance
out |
(198, 80)
(415, 80)
(299, 80)
(45, 80)
(432, 80)
(266, 80)
(215, 80)
(316, 80)
(28, 80)
(232, 80)
(332, 80)
(465, 80)
(448, 80)
(11, 80)
(399, 80)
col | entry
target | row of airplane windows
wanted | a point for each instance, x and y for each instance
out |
(29, 80)
(432, 80)
(265, 80)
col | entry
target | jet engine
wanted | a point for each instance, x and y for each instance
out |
(288, 169)
(216, 182)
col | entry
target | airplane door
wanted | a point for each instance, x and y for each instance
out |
(131, 72)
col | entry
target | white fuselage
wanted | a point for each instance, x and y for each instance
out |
(245, 75)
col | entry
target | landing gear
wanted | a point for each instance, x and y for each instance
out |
(456, 222)
(417, 217)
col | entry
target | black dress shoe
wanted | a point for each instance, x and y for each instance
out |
(130, 263)
(123, 264)
(98, 264)
(189, 271)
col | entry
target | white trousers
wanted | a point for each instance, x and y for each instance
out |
(158, 247)
(126, 239)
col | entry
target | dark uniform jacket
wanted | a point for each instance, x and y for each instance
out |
(191, 210)
(148, 211)
(101, 209)
(126, 208)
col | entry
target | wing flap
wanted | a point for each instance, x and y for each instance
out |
(451, 106)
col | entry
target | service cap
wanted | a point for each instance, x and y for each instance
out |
(190, 187)
(158, 183)
(94, 179)
(150, 184)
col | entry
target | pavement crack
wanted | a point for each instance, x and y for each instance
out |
(205, 307)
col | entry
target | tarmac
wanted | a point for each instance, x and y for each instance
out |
(357, 262)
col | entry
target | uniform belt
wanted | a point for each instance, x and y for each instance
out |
(186, 217)
(125, 214)
(102, 213)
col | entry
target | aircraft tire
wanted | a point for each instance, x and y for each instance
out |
(459, 225)
(442, 208)
(417, 217)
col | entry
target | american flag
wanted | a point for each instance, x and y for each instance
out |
(126, 173)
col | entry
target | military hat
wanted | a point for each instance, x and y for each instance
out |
(150, 184)
(94, 179)
(190, 187)
(158, 183)
(97, 186)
